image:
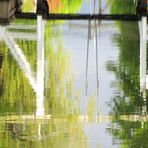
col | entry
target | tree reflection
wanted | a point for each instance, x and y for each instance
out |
(131, 134)
(127, 70)
(122, 7)
(65, 126)
(59, 84)
(54, 133)
(60, 103)
(127, 99)
(55, 6)
(64, 6)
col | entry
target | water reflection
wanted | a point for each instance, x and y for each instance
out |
(143, 59)
(63, 120)
(50, 83)
(100, 6)
(19, 56)
(28, 127)
(95, 34)
(143, 34)
(16, 51)
(55, 6)
(129, 105)
(40, 66)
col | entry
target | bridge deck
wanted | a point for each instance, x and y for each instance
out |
(122, 17)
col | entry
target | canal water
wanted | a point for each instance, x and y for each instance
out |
(72, 84)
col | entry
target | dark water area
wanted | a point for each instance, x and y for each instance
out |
(72, 84)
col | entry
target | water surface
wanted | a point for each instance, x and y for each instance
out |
(49, 95)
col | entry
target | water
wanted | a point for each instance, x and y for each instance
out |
(61, 104)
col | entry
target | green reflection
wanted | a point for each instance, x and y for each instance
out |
(64, 6)
(59, 79)
(16, 92)
(130, 132)
(17, 97)
(55, 6)
(59, 85)
(65, 127)
(127, 100)
(55, 133)
(122, 7)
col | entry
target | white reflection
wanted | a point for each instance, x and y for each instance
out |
(143, 36)
(143, 59)
(19, 56)
(36, 82)
(39, 131)
(95, 46)
(97, 71)
(40, 67)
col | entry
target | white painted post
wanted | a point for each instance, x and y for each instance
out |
(143, 38)
(143, 67)
(40, 67)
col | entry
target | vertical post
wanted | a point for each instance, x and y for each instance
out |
(143, 37)
(87, 62)
(143, 55)
(97, 71)
(40, 67)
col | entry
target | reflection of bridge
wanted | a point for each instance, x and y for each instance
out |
(122, 17)
(49, 126)
(25, 66)
(22, 34)
(7, 14)
(36, 82)
(143, 53)
(82, 118)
